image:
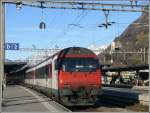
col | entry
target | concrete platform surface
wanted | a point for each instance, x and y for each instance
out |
(21, 99)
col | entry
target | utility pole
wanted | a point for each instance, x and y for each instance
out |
(2, 37)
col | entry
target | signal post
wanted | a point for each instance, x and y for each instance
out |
(2, 38)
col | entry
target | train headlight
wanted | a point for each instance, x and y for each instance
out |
(61, 81)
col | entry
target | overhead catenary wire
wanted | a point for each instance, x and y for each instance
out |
(53, 23)
(64, 31)
(54, 49)
(78, 20)
(102, 40)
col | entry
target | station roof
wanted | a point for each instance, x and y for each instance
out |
(10, 66)
(126, 68)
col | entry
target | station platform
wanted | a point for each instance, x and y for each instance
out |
(140, 94)
(21, 99)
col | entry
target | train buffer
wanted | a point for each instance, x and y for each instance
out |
(21, 99)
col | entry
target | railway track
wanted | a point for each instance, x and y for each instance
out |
(115, 101)
(118, 98)
(119, 101)
(123, 99)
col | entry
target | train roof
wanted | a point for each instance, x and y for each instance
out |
(76, 50)
(66, 51)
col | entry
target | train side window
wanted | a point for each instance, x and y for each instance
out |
(56, 64)
(40, 73)
(29, 75)
(63, 67)
(43, 72)
(47, 71)
(50, 70)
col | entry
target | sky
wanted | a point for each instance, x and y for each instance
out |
(22, 26)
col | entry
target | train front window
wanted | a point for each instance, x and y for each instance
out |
(79, 65)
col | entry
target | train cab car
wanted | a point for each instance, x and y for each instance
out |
(73, 76)
(79, 76)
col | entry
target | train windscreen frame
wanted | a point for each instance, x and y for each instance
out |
(79, 65)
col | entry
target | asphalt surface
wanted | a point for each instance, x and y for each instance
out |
(21, 99)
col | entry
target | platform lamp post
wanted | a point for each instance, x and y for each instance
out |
(2, 40)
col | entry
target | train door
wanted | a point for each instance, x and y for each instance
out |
(50, 79)
(33, 77)
(54, 78)
(47, 76)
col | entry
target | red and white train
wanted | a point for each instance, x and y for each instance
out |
(72, 76)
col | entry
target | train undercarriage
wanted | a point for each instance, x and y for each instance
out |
(81, 96)
(68, 97)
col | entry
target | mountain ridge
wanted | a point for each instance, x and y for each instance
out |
(133, 39)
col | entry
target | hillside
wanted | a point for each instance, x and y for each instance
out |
(135, 39)
(136, 35)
